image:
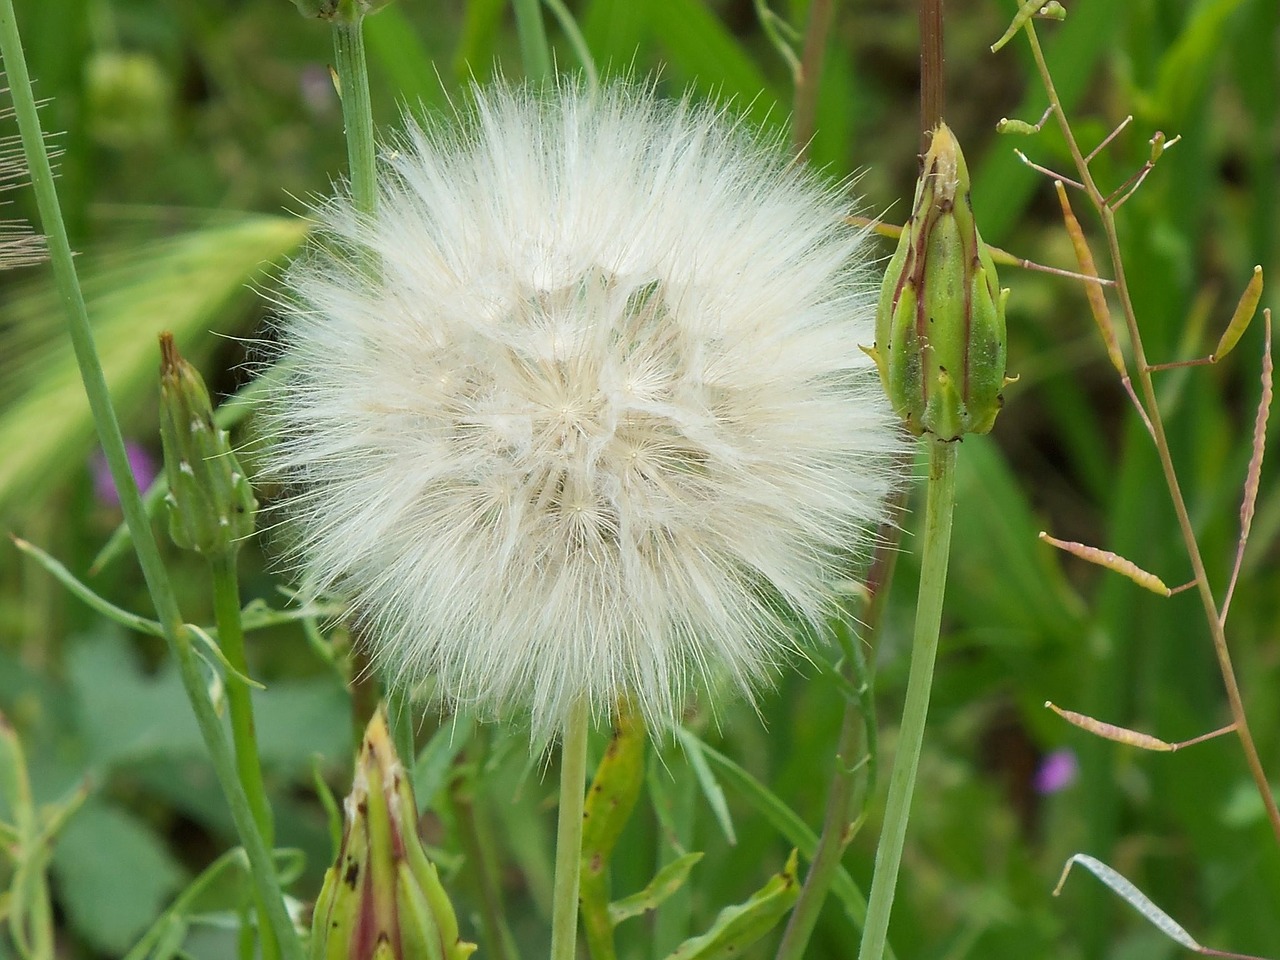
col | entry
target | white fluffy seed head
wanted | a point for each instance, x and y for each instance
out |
(597, 423)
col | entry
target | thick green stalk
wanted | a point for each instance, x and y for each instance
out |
(573, 788)
(362, 158)
(534, 50)
(153, 570)
(357, 116)
(924, 649)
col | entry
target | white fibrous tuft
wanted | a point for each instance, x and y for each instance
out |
(581, 413)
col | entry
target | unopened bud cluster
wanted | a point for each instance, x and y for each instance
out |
(940, 332)
(382, 898)
(211, 505)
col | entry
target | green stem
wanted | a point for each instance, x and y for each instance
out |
(924, 650)
(362, 159)
(357, 111)
(226, 611)
(108, 427)
(809, 79)
(573, 788)
(534, 50)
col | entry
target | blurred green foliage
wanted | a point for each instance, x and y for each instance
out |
(192, 135)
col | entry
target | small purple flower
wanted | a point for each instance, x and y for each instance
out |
(1057, 771)
(141, 462)
(315, 86)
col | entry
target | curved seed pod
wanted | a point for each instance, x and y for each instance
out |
(1245, 309)
(940, 329)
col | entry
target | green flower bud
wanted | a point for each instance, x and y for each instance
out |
(940, 338)
(342, 10)
(382, 898)
(211, 504)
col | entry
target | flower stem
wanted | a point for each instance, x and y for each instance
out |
(534, 50)
(357, 117)
(226, 611)
(357, 111)
(573, 787)
(805, 103)
(153, 569)
(933, 578)
(932, 77)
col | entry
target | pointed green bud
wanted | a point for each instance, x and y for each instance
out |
(211, 504)
(940, 338)
(382, 899)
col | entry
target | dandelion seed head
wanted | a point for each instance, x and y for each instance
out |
(596, 424)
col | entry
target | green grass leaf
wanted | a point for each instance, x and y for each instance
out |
(191, 284)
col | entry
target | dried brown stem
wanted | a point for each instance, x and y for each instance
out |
(1106, 140)
(1156, 426)
(932, 70)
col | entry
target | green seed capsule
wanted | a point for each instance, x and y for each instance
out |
(940, 335)
(211, 505)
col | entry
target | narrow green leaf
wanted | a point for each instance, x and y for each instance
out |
(703, 50)
(707, 782)
(737, 927)
(95, 851)
(612, 796)
(15, 788)
(396, 49)
(614, 789)
(431, 768)
(189, 285)
(165, 936)
(1185, 67)
(664, 883)
(130, 621)
(787, 822)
